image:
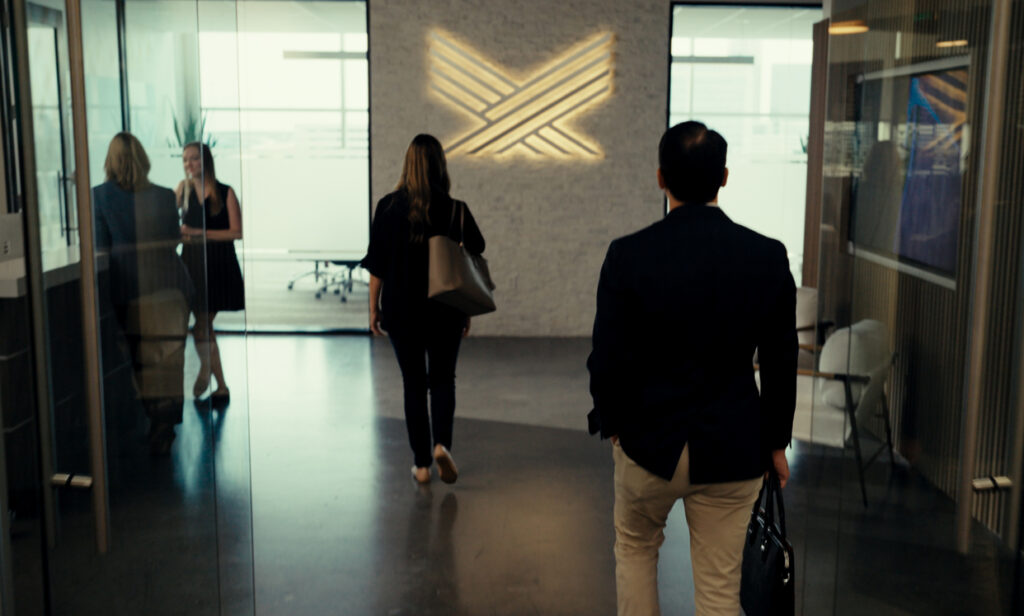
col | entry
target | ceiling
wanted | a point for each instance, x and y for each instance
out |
(746, 22)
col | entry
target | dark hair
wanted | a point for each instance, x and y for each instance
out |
(424, 179)
(692, 162)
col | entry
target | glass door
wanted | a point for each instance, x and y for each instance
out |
(47, 46)
(127, 487)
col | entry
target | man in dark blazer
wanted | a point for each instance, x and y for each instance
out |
(681, 308)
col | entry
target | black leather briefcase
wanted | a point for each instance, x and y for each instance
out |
(768, 564)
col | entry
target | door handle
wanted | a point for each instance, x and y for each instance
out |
(992, 483)
(62, 204)
(67, 182)
(71, 480)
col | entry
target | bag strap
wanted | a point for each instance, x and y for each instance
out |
(775, 501)
(769, 500)
(462, 223)
(462, 219)
(452, 221)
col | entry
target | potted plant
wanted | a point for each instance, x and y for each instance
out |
(190, 129)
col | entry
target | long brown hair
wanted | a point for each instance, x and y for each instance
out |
(424, 180)
(209, 177)
(127, 164)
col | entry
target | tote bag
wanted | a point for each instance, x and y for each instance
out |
(456, 277)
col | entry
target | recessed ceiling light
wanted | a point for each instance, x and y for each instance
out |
(957, 43)
(855, 26)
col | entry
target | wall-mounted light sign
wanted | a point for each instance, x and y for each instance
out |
(526, 115)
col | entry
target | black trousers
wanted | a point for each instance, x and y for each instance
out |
(435, 340)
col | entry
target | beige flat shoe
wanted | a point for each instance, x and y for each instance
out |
(421, 474)
(445, 464)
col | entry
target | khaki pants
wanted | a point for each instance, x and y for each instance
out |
(717, 515)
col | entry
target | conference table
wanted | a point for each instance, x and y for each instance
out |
(323, 260)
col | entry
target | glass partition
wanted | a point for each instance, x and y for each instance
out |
(103, 86)
(912, 407)
(285, 98)
(112, 375)
(227, 190)
(49, 76)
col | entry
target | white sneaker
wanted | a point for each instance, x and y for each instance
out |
(446, 465)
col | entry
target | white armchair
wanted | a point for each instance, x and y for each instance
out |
(847, 389)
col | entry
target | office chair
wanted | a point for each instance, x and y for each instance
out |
(338, 279)
(316, 273)
(329, 276)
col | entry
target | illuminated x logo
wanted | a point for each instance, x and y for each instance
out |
(523, 115)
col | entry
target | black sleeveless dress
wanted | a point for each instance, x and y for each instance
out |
(213, 264)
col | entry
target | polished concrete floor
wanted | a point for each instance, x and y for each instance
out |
(295, 499)
(271, 306)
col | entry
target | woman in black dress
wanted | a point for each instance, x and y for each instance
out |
(420, 328)
(211, 222)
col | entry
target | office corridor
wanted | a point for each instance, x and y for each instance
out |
(337, 525)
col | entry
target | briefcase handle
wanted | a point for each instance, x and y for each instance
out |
(769, 500)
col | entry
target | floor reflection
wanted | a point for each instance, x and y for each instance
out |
(313, 439)
(180, 524)
(528, 527)
(429, 584)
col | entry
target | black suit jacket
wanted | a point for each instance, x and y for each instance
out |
(681, 307)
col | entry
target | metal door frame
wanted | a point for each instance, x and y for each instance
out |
(52, 18)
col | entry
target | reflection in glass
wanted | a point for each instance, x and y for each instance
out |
(913, 129)
(170, 551)
(137, 224)
(902, 244)
(880, 188)
(47, 65)
(211, 222)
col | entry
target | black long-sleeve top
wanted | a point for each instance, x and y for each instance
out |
(681, 307)
(402, 263)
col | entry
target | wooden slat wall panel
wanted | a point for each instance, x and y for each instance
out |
(930, 324)
(998, 407)
(815, 152)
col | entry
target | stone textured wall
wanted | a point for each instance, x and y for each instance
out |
(547, 222)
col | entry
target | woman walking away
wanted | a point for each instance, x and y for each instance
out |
(137, 225)
(212, 221)
(423, 332)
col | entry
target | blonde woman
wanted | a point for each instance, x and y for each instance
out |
(420, 328)
(211, 222)
(137, 224)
